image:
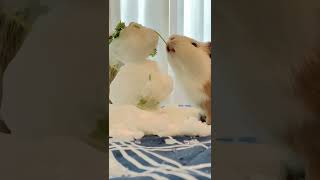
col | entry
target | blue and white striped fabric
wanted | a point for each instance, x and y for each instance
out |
(168, 158)
(172, 158)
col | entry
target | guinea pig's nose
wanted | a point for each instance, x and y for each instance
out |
(170, 47)
(172, 38)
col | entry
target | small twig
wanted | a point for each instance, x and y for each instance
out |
(161, 37)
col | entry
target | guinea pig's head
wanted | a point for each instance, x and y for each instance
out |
(187, 51)
(135, 43)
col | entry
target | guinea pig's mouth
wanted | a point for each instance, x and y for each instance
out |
(170, 49)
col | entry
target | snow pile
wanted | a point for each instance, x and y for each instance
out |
(127, 122)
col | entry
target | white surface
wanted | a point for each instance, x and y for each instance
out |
(127, 122)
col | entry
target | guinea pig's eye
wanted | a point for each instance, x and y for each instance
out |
(194, 44)
(210, 55)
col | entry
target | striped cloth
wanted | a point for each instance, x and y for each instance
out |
(167, 158)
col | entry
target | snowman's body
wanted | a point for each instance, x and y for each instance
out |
(139, 81)
(140, 84)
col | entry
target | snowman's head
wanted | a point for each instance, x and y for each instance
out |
(134, 44)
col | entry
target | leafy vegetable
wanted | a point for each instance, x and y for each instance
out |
(113, 70)
(110, 39)
(142, 102)
(147, 103)
(154, 53)
(120, 26)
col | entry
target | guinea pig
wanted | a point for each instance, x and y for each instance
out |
(191, 63)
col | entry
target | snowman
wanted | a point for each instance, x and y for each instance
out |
(139, 81)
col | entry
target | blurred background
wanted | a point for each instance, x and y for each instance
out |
(54, 92)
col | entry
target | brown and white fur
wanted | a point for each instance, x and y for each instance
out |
(191, 63)
(304, 139)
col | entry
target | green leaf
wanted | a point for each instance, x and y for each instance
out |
(147, 103)
(142, 102)
(120, 26)
(154, 53)
(110, 39)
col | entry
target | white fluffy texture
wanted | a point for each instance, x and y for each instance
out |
(134, 44)
(114, 60)
(127, 122)
(136, 81)
(191, 65)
